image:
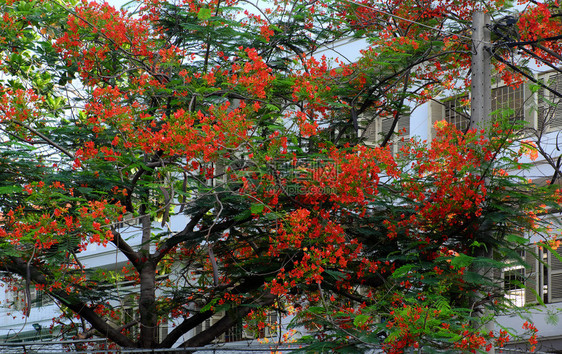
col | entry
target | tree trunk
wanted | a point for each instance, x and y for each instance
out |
(147, 273)
(148, 316)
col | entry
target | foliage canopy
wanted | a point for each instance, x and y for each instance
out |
(211, 145)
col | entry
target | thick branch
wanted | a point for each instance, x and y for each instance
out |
(245, 286)
(186, 325)
(19, 266)
(126, 249)
(91, 332)
(186, 230)
(44, 137)
(187, 234)
(230, 319)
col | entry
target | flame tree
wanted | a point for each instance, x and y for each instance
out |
(221, 116)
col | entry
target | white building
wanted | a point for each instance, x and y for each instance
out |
(541, 111)
(544, 116)
(16, 328)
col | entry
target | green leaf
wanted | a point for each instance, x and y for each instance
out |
(552, 251)
(552, 318)
(512, 238)
(243, 215)
(462, 260)
(538, 297)
(336, 274)
(442, 304)
(360, 320)
(534, 87)
(316, 309)
(273, 216)
(209, 305)
(223, 308)
(256, 208)
(272, 107)
(204, 14)
(402, 271)
(10, 189)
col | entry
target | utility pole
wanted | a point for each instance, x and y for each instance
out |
(481, 89)
(481, 109)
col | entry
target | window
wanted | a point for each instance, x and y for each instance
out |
(18, 299)
(130, 314)
(513, 284)
(238, 332)
(162, 330)
(377, 128)
(234, 333)
(271, 326)
(549, 109)
(516, 101)
(203, 326)
(128, 221)
(510, 99)
(543, 278)
(454, 110)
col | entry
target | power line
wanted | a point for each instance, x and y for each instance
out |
(515, 68)
(517, 44)
(498, 30)
(407, 20)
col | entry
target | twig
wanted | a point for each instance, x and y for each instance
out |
(44, 137)
(27, 309)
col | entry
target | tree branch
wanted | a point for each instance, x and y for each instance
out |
(44, 137)
(187, 234)
(187, 325)
(125, 248)
(230, 319)
(166, 247)
(19, 266)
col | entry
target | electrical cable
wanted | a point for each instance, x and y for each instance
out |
(517, 44)
(515, 68)
(408, 20)
(497, 30)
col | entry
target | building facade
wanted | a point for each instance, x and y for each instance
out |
(537, 112)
